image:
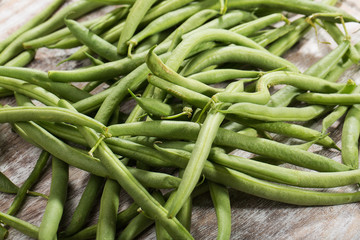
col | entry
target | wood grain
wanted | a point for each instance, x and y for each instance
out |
(253, 218)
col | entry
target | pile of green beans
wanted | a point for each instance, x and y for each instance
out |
(172, 91)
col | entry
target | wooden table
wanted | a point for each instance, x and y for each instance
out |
(253, 218)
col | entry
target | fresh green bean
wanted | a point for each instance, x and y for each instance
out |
(265, 113)
(262, 94)
(350, 138)
(135, 16)
(20, 225)
(289, 130)
(238, 54)
(54, 114)
(221, 75)
(159, 69)
(221, 200)
(189, 96)
(77, 9)
(22, 59)
(55, 206)
(106, 227)
(93, 41)
(38, 19)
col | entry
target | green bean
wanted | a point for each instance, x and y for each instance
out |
(350, 138)
(32, 23)
(305, 7)
(87, 201)
(220, 197)
(20, 225)
(135, 16)
(320, 69)
(265, 113)
(289, 130)
(22, 59)
(206, 35)
(154, 107)
(253, 26)
(30, 181)
(159, 69)
(93, 41)
(189, 96)
(189, 131)
(330, 99)
(262, 95)
(220, 75)
(77, 9)
(236, 54)
(132, 81)
(54, 114)
(55, 206)
(97, 28)
(106, 227)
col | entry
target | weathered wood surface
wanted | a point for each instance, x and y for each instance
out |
(253, 218)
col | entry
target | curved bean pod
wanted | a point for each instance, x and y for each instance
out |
(20, 225)
(262, 94)
(221, 75)
(238, 54)
(52, 114)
